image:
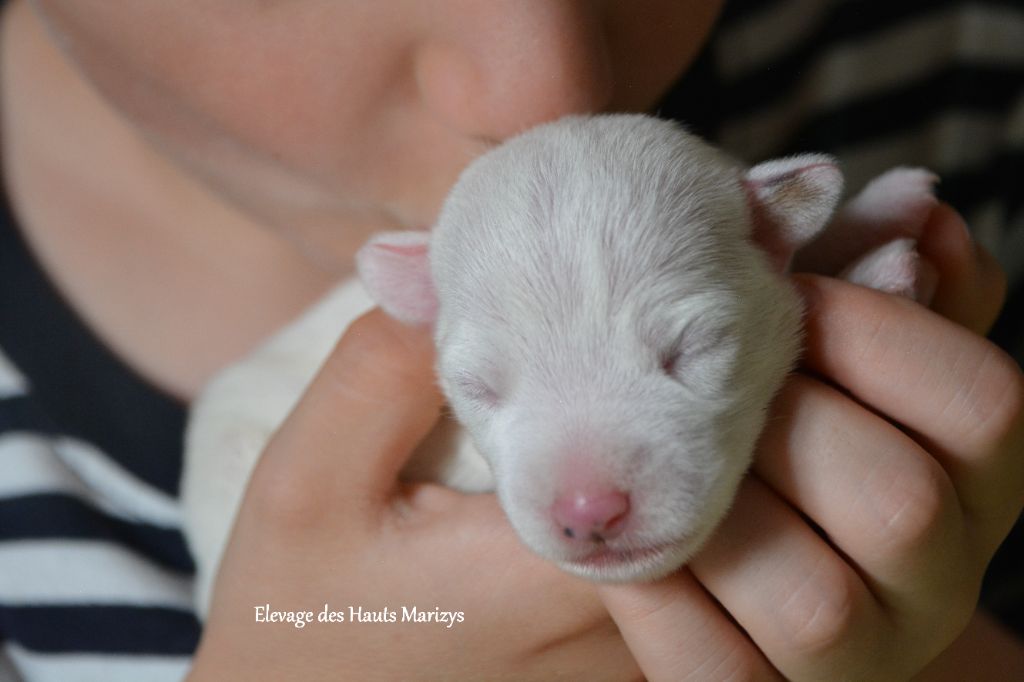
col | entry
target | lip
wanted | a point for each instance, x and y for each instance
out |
(605, 557)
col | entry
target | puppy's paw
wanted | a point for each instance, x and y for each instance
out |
(895, 268)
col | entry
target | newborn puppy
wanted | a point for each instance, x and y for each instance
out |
(612, 320)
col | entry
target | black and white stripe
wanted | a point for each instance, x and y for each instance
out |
(938, 83)
(95, 579)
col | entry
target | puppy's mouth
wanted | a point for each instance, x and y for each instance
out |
(605, 558)
(607, 555)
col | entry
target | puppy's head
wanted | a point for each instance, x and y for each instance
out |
(612, 322)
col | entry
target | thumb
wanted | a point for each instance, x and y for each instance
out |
(373, 400)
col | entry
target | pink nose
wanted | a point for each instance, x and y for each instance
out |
(593, 516)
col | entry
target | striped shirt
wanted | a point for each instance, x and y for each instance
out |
(94, 574)
(95, 578)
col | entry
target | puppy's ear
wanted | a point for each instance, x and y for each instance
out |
(395, 269)
(791, 201)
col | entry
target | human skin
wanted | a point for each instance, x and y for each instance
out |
(901, 439)
(197, 240)
(308, 113)
(912, 514)
(275, 136)
(314, 122)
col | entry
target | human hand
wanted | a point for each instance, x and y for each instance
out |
(324, 520)
(890, 470)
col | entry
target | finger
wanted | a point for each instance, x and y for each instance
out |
(880, 499)
(959, 395)
(675, 631)
(356, 425)
(971, 286)
(800, 603)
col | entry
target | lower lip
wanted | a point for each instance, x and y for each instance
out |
(607, 557)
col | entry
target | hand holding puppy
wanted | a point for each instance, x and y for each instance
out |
(888, 474)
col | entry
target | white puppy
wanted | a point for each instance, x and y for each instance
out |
(612, 320)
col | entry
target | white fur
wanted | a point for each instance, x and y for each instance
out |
(618, 239)
(567, 263)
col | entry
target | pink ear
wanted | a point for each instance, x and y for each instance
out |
(791, 201)
(395, 269)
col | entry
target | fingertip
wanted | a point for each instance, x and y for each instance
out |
(378, 329)
(383, 360)
(971, 286)
(946, 240)
(992, 274)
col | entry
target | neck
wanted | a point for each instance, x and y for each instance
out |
(172, 278)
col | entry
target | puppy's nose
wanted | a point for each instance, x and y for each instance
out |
(591, 516)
